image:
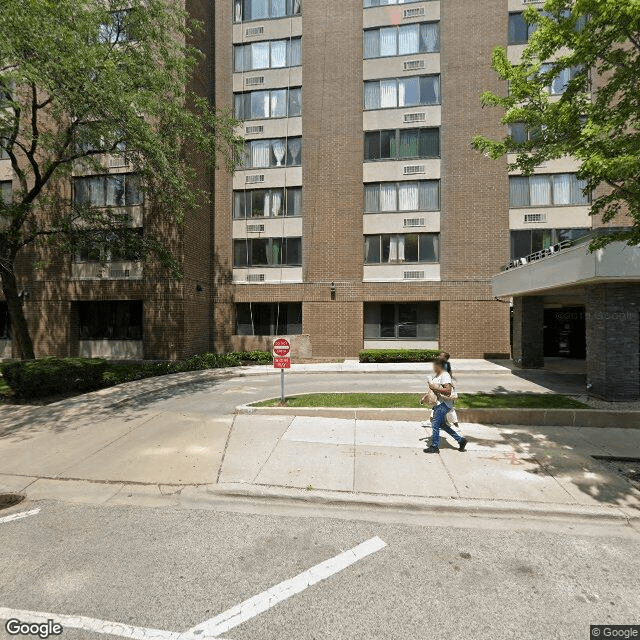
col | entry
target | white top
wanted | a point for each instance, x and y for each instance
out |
(441, 380)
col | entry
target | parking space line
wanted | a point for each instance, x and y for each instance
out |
(253, 606)
(19, 516)
(91, 624)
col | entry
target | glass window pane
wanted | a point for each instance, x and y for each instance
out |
(411, 247)
(259, 56)
(279, 151)
(387, 320)
(408, 39)
(372, 145)
(429, 247)
(133, 194)
(259, 203)
(372, 95)
(278, 54)
(240, 253)
(388, 197)
(562, 189)
(518, 131)
(276, 203)
(258, 252)
(294, 251)
(539, 191)
(238, 204)
(518, 29)
(408, 92)
(259, 9)
(238, 106)
(388, 93)
(259, 104)
(295, 101)
(295, 152)
(371, 198)
(238, 57)
(429, 38)
(430, 90)
(372, 43)
(278, 8)
(294, 202)
(388, 41)
(409, 143)
(577, 191)
(295, 53)
(429, 143)
(385, 248)
(408, 196)
(279, 103)
(518, 191)
(429, 195)
(520, 244)
(372, 249)
(408, 320)
(428, 328)
(387, 144)
(371, 320)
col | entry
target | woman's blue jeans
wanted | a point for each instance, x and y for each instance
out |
(439, 421)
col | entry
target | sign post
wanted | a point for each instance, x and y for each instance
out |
(281, 360)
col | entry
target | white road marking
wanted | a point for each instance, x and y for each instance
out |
(91, 624)
(267, 599)
(214, 627)
(19, 516)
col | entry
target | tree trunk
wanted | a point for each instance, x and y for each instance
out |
(19, 327)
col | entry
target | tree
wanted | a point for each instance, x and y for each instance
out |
(80, 82)
(591, 48)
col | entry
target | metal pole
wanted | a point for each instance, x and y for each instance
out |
(282, 386)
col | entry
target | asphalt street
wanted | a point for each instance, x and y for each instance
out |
(172, 569)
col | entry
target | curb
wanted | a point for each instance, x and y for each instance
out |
(598, 418)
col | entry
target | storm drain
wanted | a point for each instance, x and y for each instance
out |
(628, 468)
(10, 500)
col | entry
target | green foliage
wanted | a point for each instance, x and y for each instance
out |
(50, 376)
(597, 118)
(398, 355)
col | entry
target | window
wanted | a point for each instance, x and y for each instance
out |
(400, 321)
(271, 54)
(276, 103)
(401, 248)
(113, 320)
(547, 190)
(6, 191)
(122, 250)
(5, 321)
(115, 30)
(265, 9)
(267, 252)
(267, 203)
(380, 3)
(281, 152)
(519, 30)
(398, 144)
(402, 92)
(521, 132)
(527, 241)
(115, 190)
(268, 319)
(4, 155)
(560, 81)
(402, 41)
(423, 195)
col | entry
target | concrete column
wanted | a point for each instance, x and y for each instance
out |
(613, 340)
(528, 329)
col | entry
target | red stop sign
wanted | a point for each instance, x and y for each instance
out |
(281, 347)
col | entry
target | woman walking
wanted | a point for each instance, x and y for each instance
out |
(441, 385)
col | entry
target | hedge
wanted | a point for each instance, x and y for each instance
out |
(51, 376)
(398, 355)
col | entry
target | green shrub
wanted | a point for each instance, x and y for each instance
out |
(398, 355)
(49, 376)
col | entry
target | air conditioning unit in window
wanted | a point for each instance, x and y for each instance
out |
(254, 179)
(116, 162)
(535, 217)
(413, 13)
(414, 222)
(415, 117)
(255, 277)
(414, 275)
(253, 80)
(254, 31)
(412, 65)
(255, 228)
(254, 128)
(413, 169)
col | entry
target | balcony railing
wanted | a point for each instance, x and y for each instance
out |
(545, 253)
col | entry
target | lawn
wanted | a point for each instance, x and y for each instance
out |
(412, 401)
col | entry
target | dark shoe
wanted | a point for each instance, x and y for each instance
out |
(432, 449)
(462, 444)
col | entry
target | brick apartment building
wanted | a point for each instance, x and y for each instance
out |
(361, 216)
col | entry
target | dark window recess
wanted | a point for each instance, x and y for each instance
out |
(267, 203)
(5, 321)
(268, 319)
(402, 248)
(274, 103)
(115, 190)
(112, 320)
(527, 241)
(401, 144)
(267, 252)
(401, 321)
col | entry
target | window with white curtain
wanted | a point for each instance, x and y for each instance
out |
(267, 203)
(561, 79)
(405, 40)
(273, 103)
(398, 248)
(245, 10)
(541, 190)
(6, 191)
(267, 252)
(422, 195)
(115, 190)
(279, 152)
(270, 54)
(399, 144)
(402, 92)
